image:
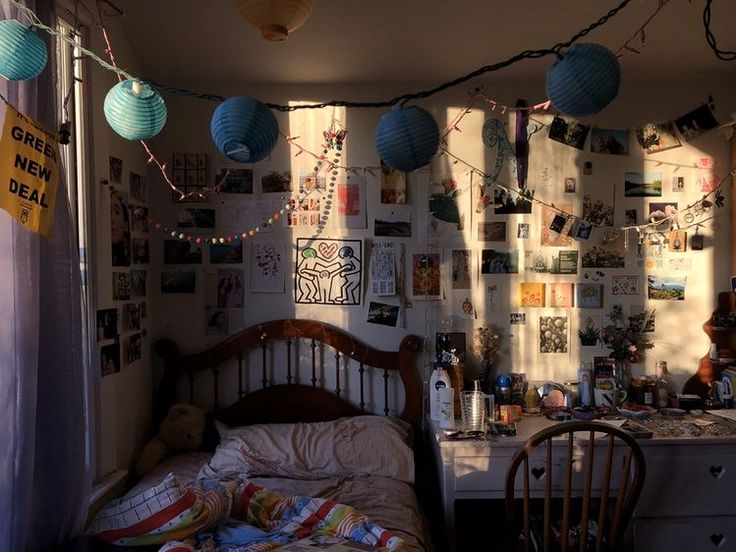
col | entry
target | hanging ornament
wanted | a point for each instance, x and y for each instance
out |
(135, 110)
(407, 138)
(276, 18)
(22, 52)
(584, 80)
(244, 130)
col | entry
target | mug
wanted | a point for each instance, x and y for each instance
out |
(609, 397)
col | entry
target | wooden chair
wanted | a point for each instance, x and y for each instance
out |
(579, 474)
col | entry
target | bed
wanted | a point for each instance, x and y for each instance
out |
(304, 408)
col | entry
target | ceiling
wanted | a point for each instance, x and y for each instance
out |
(195, 42)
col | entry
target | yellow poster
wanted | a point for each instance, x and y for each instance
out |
(29, 171)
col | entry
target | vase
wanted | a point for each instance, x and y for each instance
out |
(621, 373)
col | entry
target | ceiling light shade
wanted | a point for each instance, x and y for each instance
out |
(22, 52)
(584, 80)
(276, 18)
(244, 130)
(407, 138)
(135, 110)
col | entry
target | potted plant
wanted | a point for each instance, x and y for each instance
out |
(589, 335)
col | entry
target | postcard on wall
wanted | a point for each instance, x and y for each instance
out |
(305, 211)
(517, 318)
(588, 296)
(351, 203)
(139, 219)
(461, 271)
(570, 186)
(531, 294)
(678, 184)
(178, 281)
(120, 286)
(132, 348)
(560, 294)
(196, 218)
(107, 324)
(267, 273)
(567, 261)
(553, 336)
(182, 252)
(110, 359)
(510, 203)
(657, 137)
(216, 322)
(139, 251)
(677, 241)
(666, 288)
(138, 188)
(499, 262)
(131, 316)
(661, 210)
(276, 182)
(598, 211)
(463, 308)
(230, 288)
(609, 141)
(383, 314)
(226, 253)
(568, 132)
(554, 226)
(494, 231)
(522, 231)
(650, 319)
(624, 285)
(449, 204)
(394, 223)
(383, 268)
(328, 271)
(393, 185)
(693, 124)
(425, 276)
(234, 180)
(605, 249)
(637, 184)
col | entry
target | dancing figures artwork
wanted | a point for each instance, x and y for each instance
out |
(328, 272)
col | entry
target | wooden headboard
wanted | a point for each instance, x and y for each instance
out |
(304, 342)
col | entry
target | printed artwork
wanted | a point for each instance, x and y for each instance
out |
(351, 203)
(383, 314)
(328, 271)
(642, 185)
(677, 241)
(693, 124)
(461, 268)
(131, 316)
(609, 141)
(393, 185)
(624, 285)
(570, 185)
(605, 249)
(231, 253)
(661, 210)
(139, 251)
(446, 204)
(568, 132)
(383, 268)
(597, 212)
(139, 219)
(230, 288)
(216, 320)
(425, 275)
(531, 294)
(522, 231)
(132, 348)
(137, 283)
(499, 262)
(510, 203)
(120, 286)
(110, 359)
(116, 170)
(276, 182)
(107, 324)
(589, 296)
(236, 181)
(553, 334)
(560, 294)
(666, 288)
(267, 267)
(657, 137)
(393, 224)
(517, 318)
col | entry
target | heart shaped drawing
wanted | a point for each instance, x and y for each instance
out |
(717, 471)
(718, 539)
(538, 473)
(327, 250)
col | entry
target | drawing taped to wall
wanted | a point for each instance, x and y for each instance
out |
(328, 271)
(267, 268)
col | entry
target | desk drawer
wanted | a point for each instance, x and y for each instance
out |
(716, 533)
(689, 485)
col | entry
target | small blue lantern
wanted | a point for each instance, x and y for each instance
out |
(135, 110)
(584, 80)
(407, 138)
(22, 52)
(244, 130)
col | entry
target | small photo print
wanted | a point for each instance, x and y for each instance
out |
(522, 231)
(138, 188)
(553, 334)
(584, 230)
(137, 283)
(693, 124)
(132, 348)
(517, 318)
(131, 317)
(597, 212)
(107, 324)
(230, 288)
(657, 137)
(507, 203)
(461, 259)
(696, 242)
(677, 241)
(276, 182)
(230, 253)
(181, 252)
(666, 288)
(216, 321)
(311, 183)
(393, 225)
(568, 132)
(588, 168)
(631, 217)
(195, 218)
(570, 185)
(139, 219)
(177, 281)
(393, 185)
(492, 231)
(425, 275)
(660, 211)
(116, 170)
(110, 359)
(609, 141)
(499, 262)
(120, 286)
(235, 181)
(643, 185)
(383, 314)
(140, 253)
(678, 184)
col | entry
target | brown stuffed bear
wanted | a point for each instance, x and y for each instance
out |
(180, 431)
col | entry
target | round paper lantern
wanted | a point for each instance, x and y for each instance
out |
(407, 138)
(244, 130)
(276, 18)
(22, 52)
(135, 110)
(584, 80)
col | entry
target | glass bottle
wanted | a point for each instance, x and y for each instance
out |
(663, 385)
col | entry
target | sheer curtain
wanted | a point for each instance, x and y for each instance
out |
(44, 379)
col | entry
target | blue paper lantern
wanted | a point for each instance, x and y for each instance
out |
(22, 52)
(584, 80)
(244, 130)
(135, 110)
(407, 138)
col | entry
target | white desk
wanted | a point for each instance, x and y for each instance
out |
(688, 502)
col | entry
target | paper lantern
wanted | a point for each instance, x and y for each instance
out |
(22, 52)
(584, 80)
(276, 18)
(407, 138)
(135, 110)
(244, 130)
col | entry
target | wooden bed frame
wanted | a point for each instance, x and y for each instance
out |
(289, 401)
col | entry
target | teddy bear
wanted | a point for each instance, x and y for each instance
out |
(182, 430)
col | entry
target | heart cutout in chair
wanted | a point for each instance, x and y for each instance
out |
(718, 539)
(717, 471)
(538, 473)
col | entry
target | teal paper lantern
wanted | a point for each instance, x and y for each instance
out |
(407, 138)
(244, 130)
(22, 52)
(584, 80)
(135, 110)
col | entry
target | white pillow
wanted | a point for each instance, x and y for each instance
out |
(373, 445)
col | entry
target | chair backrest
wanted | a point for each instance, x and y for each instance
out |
(592, 464)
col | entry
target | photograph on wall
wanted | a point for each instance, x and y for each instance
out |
(605, 249)
(677, 240)
(570, 185)
(624, 285)
(597, 211)
(492, 231)
(589, 296)
(425, 275)
(637, 184)
(657, 137)
(499, 262)
(583, 229)
(328, 271)
(310, 183)
(110, 359)
(662, 210)
(182, 252)
(510, 203)
(131, 316)
(666, 288)
(532, 294)
(560, 294)
(226, 253)
(305, 211)
(650, 316)
(568, 132)
(138, 188)
(267, 267)
(178, 281)
(448, 203)
(631, 217)
(116, 170)
(553, 230)
(107, 324)
(393, 185)
(132, 348)
(393, 224)
(119, 228)
(351, 212)
(195, 218)
(461, 261)
(234, 180)
(564, 261)
(697, 242)
(383, 314)
(678, 184)
(137, 283)
(517, 318)
(522, 231)
(216, 320)
(693, 124)
(140, 254)
(230, 288)
(609, 141)
(463, 308)
(553, 334)
(139, 219)
(276, 182)
(120, 286)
